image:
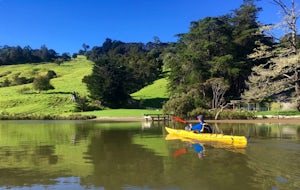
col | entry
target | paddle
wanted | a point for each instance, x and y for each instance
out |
(182, 121)
(179, 120)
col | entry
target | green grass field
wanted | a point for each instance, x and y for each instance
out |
(57, 101)
(69, 79)
(122, 112)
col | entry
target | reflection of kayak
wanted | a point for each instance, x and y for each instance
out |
(238, 141)
(237, 148)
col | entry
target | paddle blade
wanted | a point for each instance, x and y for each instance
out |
(179, 119)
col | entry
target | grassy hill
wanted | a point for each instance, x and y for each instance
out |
(23, 99)
(57, 101)
(152, 96)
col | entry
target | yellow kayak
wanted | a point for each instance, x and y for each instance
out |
(229, 139)
(237, 148)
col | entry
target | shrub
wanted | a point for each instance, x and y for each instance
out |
(82, 103)
(208, 114)
(179, 106)
(42, 83)
(225, 114)
(6, 83)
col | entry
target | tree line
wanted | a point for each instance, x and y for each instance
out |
(10, 55)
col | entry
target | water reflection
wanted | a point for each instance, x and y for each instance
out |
(132, 155)
(198, 148)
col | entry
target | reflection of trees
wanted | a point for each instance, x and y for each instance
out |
(275, 130)
(45, 152)
(118, 162)
(38, 153)
(263, 131)
(16, 174)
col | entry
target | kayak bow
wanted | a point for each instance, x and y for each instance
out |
(229, 139)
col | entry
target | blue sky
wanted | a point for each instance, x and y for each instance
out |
(64, 25)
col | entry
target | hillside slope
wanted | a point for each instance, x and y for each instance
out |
(153, 95)
(57, 101)
(23, 99)
(156, 90)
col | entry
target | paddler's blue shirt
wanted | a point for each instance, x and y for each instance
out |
(197, 127)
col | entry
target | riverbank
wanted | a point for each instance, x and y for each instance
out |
(280, 120)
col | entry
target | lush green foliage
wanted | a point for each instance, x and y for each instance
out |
(210, 114)
(121, 69)
(215, 47)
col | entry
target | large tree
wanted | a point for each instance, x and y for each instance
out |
(280, 71)
(215, 47)
(121, 69)
(109, 82)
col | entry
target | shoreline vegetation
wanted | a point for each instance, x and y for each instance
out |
(282, 119)
(140, 115)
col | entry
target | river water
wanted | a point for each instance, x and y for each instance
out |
(140, 156)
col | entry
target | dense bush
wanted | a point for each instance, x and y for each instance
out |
(225, 114)
(42, 83)
(200, 111)
(179, 106)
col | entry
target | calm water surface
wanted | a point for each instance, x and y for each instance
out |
(140, 156)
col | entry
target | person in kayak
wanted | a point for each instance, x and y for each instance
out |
(202, 126)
